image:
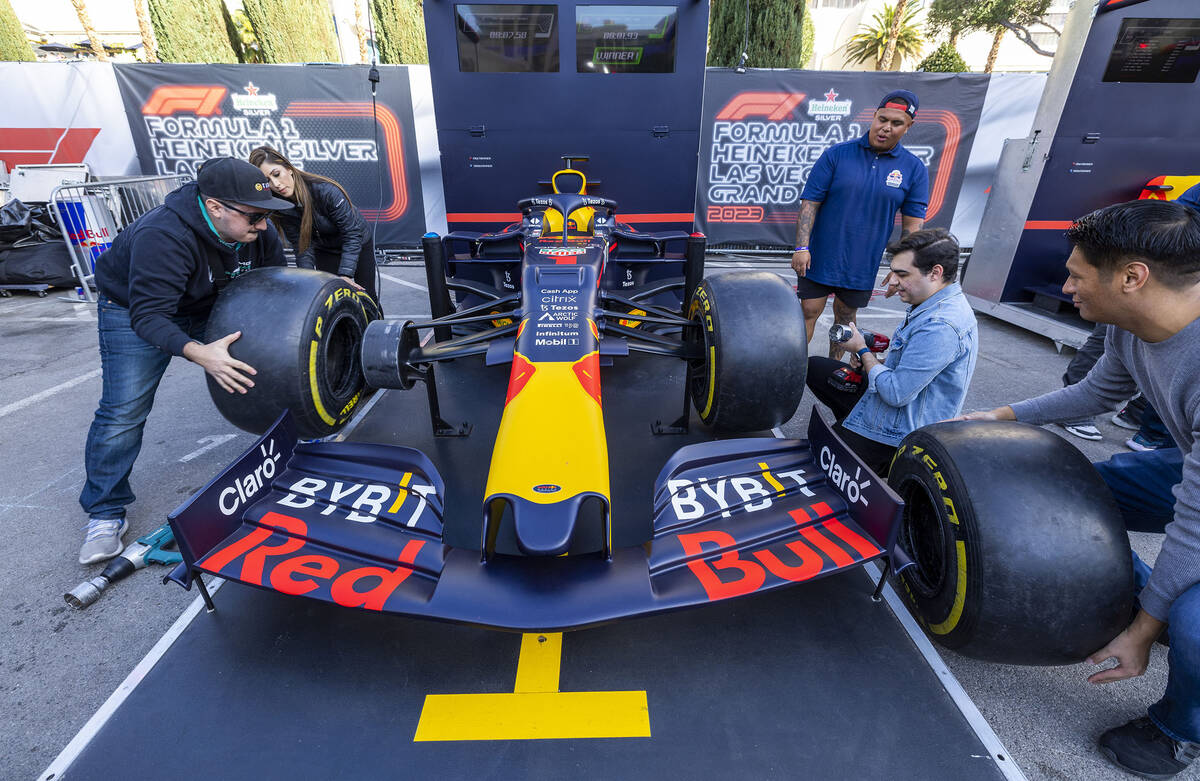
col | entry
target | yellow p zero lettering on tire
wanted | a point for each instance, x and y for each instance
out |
(315, 386)
(960, 594)
(941, 481)
(951, 513)
(320, 324)
(350, 405)
(712, 381)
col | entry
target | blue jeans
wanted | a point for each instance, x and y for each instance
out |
(131, 370)
(1141, 483)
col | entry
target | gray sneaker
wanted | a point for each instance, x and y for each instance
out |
(1084, 430)
(1126, 418)
(103, 540)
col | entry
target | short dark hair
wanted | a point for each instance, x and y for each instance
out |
(930, 247)
(1164, 234)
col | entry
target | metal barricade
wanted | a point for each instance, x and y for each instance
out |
(91, 214)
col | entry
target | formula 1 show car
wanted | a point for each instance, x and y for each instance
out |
(561, 295)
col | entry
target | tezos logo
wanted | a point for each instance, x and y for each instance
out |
(562, 252)
(547, 488)
(829, 109)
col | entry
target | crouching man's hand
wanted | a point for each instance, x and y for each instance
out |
(999, 413)
(1131, 649)
(229, 372)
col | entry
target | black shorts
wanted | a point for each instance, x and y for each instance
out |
(855, 299)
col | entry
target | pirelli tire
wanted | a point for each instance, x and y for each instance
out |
(302, 332)
(1021, 552)
(751, 330)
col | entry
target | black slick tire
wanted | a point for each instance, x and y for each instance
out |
(302, 332)
(755, 356)
(1021, 552)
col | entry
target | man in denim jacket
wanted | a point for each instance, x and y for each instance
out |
(929, 365)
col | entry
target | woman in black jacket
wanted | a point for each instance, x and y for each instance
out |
(325, 229)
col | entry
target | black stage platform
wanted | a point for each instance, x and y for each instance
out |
(815, 681)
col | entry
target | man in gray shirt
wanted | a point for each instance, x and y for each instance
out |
(1136, 266)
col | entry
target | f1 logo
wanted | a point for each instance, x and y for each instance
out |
(168, 99)
(775, 106)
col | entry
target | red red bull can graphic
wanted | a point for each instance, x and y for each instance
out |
(86, 228)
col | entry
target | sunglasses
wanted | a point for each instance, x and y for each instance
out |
(254, 218)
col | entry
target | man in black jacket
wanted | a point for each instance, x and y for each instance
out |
(157, 284)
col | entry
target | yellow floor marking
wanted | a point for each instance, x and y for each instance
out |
(535, 710)
(537, 667)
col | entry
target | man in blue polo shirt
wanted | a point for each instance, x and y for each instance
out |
(857, 187)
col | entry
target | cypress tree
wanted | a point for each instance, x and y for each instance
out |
(13, 45)
(191, 31)
(293, 30)
(778, 39)
(400, 32)
(945, 59)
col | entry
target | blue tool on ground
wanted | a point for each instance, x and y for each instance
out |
(157, 547)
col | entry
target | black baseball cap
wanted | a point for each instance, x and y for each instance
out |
(230, 179)
(903, 100)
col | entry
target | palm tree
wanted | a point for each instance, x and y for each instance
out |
(360, 27)
(871, 41)
(89, 31)
(149, 46)
(889, 51)
(995, 50)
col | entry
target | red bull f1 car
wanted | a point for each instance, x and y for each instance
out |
(559, 295)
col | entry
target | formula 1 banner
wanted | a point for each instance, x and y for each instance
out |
(764, 131)
(320, 117)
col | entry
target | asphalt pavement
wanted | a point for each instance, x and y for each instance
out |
(59, 665)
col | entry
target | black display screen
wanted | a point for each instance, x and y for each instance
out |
(625, 38)
(507, 38)
(1156, 50)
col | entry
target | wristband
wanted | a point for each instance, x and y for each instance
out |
(800, 249)
(859, 353)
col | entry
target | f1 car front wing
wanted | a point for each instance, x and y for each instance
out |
(360, 525)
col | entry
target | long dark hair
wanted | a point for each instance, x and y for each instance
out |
(300, 192)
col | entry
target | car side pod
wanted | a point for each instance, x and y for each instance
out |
(360, 525)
